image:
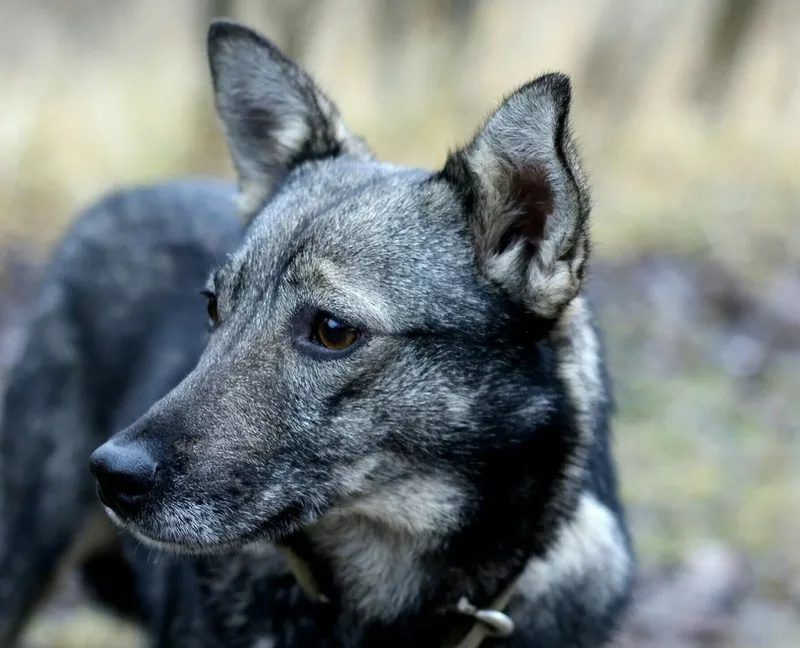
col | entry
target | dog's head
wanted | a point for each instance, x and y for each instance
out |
(379, 330)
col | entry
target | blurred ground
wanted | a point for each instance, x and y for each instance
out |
(689, 117)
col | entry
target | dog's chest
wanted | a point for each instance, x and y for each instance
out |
(238, 604)
(250, 604)
(241, 601)
(250, 619)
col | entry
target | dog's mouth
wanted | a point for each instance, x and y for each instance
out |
(180, 547)
(168, 546)
(174, 538)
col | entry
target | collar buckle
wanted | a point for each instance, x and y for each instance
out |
(498, 623)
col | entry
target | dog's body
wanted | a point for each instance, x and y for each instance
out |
(117, 322)
(403, 386)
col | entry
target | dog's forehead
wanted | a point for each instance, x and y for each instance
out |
(373, 217)
(331, 199)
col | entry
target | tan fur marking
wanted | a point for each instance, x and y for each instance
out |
(374, 543)
(351, 290)
(579, 350)
(589, 551)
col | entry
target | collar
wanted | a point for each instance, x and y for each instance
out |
(489, 622)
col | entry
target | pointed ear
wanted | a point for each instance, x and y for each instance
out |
(526, 197)
(273, 114)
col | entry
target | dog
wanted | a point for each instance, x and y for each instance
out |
(390, 425)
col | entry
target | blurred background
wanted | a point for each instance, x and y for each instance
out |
(688, 112)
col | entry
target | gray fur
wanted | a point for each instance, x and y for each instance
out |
(460, 442)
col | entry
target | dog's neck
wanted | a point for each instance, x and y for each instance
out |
(372, 552)
(384, 595)
(390, 568)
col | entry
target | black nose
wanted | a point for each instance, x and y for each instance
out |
(125, 474)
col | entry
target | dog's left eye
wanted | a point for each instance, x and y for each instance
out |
(332, 334)
(211, 307)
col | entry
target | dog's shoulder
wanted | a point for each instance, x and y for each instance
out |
(195, 213)
(123, 284)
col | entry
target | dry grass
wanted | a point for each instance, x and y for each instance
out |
(129, 100)
(83, 628)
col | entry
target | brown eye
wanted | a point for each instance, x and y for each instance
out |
(211, 306)
(332, 334)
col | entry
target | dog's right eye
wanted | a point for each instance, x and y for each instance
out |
(333, 334)
(324, 336)
(211, 307)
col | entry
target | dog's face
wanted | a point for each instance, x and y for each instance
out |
(378, 326)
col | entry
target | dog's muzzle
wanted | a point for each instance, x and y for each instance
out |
(125, 475)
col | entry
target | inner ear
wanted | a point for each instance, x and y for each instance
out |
(530, 206)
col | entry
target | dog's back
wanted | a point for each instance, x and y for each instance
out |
(118, 321)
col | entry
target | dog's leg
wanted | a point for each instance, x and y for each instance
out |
(47, 434)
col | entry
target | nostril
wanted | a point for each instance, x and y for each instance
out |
(130, 484)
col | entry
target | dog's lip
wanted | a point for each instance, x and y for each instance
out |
(189, 548)
(116, 519)
(163, 544)
(102, 497)
(259, 534)
(275, 529)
